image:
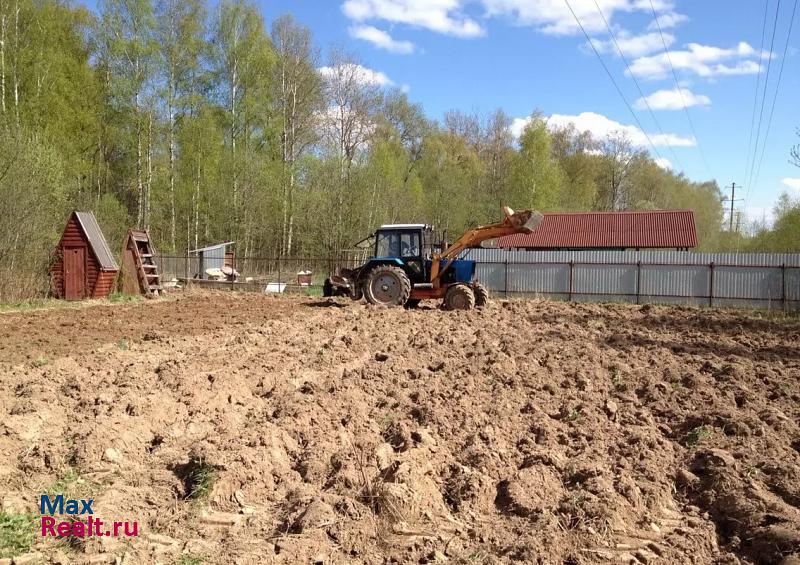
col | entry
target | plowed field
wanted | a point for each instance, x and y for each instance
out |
(253, 429)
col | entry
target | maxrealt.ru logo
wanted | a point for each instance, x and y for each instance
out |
(75, 527)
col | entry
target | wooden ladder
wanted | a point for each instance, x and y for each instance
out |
(143, 252)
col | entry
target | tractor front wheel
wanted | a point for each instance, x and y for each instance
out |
(387, 285)
(459, 297)
(481, 295)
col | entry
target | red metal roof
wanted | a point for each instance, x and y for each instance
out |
(570, 230)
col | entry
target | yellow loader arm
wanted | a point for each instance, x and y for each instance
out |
(515, 222)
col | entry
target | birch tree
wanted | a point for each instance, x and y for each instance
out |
(243, 59)
(180, 35)
(126, 39)
(352, 97)
(297, 103)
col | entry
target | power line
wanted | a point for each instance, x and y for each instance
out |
(763, 96)
(680, 92)
(614, 82)
(755, 94)
(775, 96)
(636, 82)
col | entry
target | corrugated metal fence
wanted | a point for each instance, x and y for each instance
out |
(751, 280)
(756, 280)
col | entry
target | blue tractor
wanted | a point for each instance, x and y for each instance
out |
(407, 267)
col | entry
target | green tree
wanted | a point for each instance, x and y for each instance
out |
(576, 155)
(33, 200)
(449, 174)
(180, 34)
(243, 60)
(298, 99)
(536, 177)
(126, 42)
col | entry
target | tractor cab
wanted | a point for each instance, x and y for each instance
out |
(408, 245)
(412, 246)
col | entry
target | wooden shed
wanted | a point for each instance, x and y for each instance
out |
(83, 266)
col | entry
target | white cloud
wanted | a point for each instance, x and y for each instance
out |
(667, 21)
(702, 60)
(793, 184)
(634, 45)
(381, 39)
(518, 125)
(441, 16)
(360, 73)
(663, 162)
(554, 17)
(672, 100)
(548, 16)
(601, 126)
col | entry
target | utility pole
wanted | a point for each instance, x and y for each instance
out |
(732, 199)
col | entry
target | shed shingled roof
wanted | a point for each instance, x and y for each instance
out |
(97, 241)
(593, 230)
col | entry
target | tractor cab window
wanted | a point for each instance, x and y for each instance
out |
(397, 244)
(387, 244)
(409, 244)
(427, 243)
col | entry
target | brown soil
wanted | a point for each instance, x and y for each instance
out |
(534, 432)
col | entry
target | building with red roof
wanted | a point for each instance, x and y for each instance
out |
(650, 229)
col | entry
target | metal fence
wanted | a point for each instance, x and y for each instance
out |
(753, 280)
(258, 270)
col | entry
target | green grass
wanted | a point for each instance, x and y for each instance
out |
(697, 435)
(190, 559)
(617, 380)
(16, 534)
(123, 344)
(41, 361)
(119, 298)
(200, 478)
(72, 485)
(56, 304)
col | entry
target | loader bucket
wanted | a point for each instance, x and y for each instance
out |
(525, 220)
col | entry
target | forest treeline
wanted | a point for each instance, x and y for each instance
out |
(205, 124)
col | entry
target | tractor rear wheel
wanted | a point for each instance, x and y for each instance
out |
(481, 295)
(459, 297)
(387, 285)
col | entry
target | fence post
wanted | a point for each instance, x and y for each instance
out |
(638, 279)
(505, 279)
(571, 265)
(783, 286)
(279, 273)
(711, 284)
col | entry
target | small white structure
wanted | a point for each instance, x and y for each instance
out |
(211, 257)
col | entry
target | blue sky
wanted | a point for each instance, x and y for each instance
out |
(526, 55)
